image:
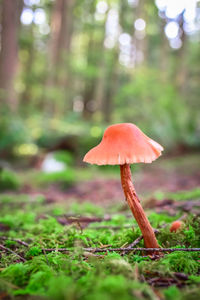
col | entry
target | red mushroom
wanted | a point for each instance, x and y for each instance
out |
(125, 144)
(176, 225)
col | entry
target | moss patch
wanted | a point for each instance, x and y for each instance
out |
(82, 275)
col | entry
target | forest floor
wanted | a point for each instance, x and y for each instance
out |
(54, 241)
(101, 185)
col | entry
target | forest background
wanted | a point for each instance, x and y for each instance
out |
(69, 68)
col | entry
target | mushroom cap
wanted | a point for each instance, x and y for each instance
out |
(123, 144)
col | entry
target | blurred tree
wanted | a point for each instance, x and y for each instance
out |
(112, 79)
(84, 63)
(181, 59)
(92, 60)
(10, 15)
(164, 53)
(59, 45)
(140, 38)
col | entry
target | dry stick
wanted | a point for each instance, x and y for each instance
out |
(15, 240)
(86, 219)
(143, 249)
(11, 251)
(134, 243)
(110, 227)
(94, 250)
(71, 220)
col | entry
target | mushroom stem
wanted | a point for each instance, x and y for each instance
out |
(136, 208)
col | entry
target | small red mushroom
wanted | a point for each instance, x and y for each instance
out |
(125, 144)
(176, 225)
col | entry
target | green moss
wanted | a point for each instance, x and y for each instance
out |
(17, 274)
(64, 156)
(79, 275)
(179, 196)
(33, 251)
(92, 280)
(194, 279)
(63, 178)
(86, 208)
(173, 293)
(158, 220)
(192, 293)
(8, 180)
(19, 220)
(174, 262)
(185, 195)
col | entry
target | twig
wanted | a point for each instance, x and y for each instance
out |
(15, 240)
(134, 243)
(86, 219)
(82, 220)
(94, 250)
(46, 257)
(111, 227)
(11, 251)
(90, 254)
(143, 249)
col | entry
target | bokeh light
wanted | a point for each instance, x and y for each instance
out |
(175, 43)
(31, 2)
(140, 24)
(124, 39)
(96, 131)
(27, 16)
(39, 16)
(102, 7)
(172, 30)
(174, 8)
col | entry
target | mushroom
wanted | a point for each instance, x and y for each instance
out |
(124, 144)
(176, 225)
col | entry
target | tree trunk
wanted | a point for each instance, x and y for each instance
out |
(99, 94)
(28, 69)
(11, 11)
(164, 53)
(61, 31)
(140, 42)
(90, 81)
(59, 45)
(181, 58)
(100, 88)
(112, 85)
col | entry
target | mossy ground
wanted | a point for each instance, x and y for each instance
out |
(83, 275)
